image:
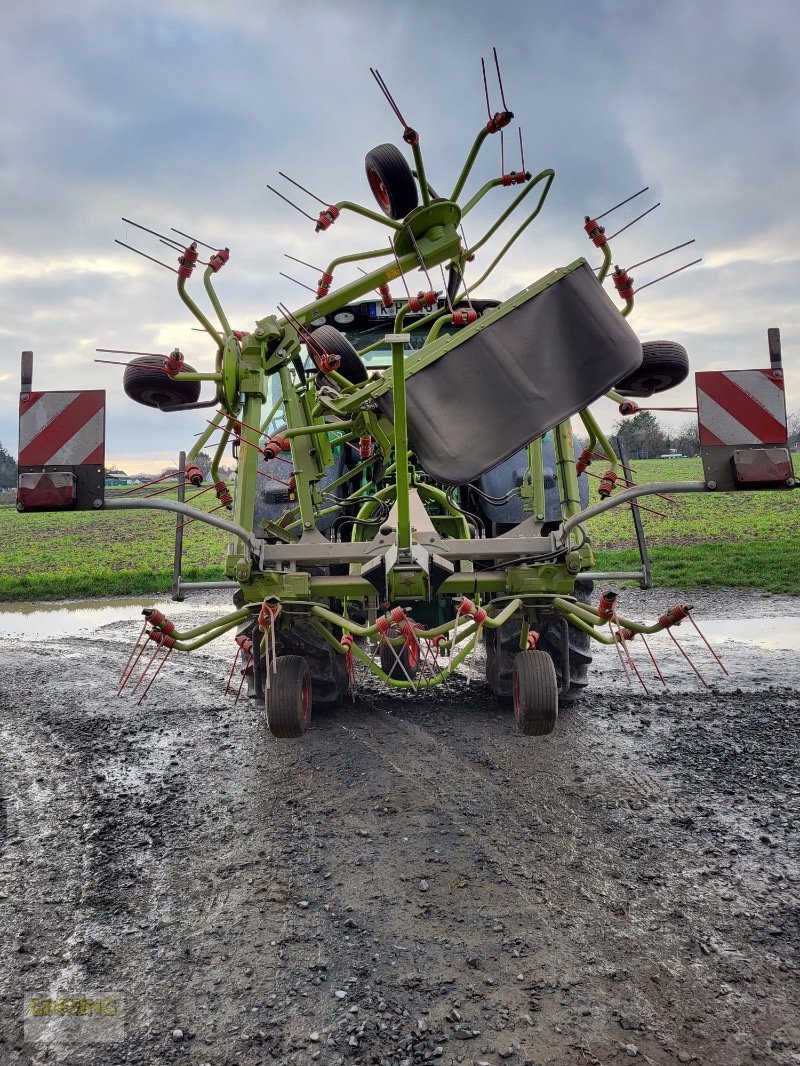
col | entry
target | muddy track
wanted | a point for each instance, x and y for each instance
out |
(412, 882)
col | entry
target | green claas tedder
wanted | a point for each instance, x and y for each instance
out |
(407, 484)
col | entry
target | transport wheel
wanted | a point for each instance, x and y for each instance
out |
(288, 698)
(332, 341)
(391, 180)
(535, 693)
(665, 365)
(502, 647)
(146, 381)
(401, 664)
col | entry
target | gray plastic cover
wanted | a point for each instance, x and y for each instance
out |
(533, 362)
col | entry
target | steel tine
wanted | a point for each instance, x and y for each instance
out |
(686, 657)
(655, 664)
(147, 667)
(158, 671)
(619, 653)
(123, 677)
(246, 667)
(233, 667)
(702, 637)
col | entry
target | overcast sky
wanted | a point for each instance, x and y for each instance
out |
(179, 114)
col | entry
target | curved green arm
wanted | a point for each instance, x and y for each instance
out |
(473, 155)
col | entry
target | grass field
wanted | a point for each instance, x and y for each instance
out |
(737, 539)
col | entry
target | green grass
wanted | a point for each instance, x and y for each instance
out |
(746, 540)
(740, 540)
(66, 556)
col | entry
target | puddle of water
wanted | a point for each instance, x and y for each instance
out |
(45, 621)
(782, 632)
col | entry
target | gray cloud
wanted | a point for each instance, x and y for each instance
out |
(177, 114)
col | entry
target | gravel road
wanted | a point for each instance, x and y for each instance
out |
(413, 881)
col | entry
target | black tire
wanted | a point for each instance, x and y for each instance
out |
(580, 643)
(665, 364)
(146, 381)
(502, 647)
(391, 181)
(334, 343)
(287, 706)
(400, 663)
(535, 693)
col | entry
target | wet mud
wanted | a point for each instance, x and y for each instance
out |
(413, 881)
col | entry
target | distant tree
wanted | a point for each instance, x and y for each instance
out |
(687, 438)
(643, 436)
(204, 462)
(8, 469)
(794, 430)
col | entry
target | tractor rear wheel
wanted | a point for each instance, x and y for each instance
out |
(287, 702)
(391, 181)
(535, 693)
(334, 343)
(147, 382)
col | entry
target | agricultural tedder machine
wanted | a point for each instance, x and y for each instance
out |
(407, 484)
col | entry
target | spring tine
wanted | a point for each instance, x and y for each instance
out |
(302, 284)
(502, 155)
(630, 658)
(302, 262)
(621, 203)
(147, 667)
(702, 637)
(661, 254)
(302, 188)
(634, 221)
(619, 653)
(402, 276)
(155, 233)
(155, 675)
(130, 657)
(686, 657)
(175, 245)
(179, 248)
(211, 247)
(486, 90)
(499, 79)
(233, 667)
(521, 151)
(123, 351)
(385, 90)
(245, 668)
(288, 201)
(664, 276)
(146, 256)
(655, 664)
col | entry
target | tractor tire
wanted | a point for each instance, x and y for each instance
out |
(287, 703)
(580, 656)
(334, 343)
(502, 647)
(146, 381)
(665, 364)
(535, 693)
(391, 181)
(400, 664)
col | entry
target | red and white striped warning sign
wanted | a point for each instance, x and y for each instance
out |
(62, 428)
(740, 407)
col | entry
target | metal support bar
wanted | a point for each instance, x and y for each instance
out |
(644, 554)
(178, 554)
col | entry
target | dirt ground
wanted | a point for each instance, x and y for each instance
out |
(413, 881)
